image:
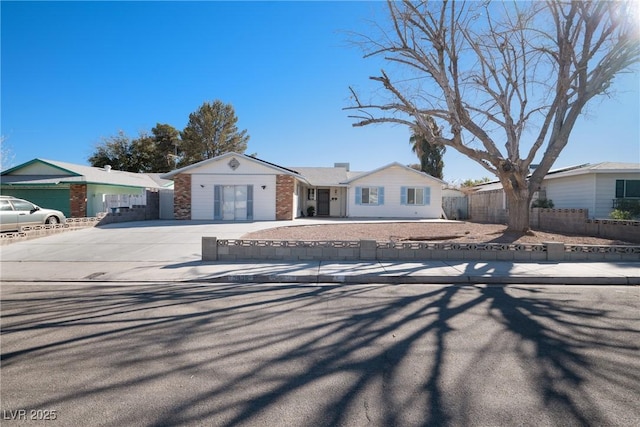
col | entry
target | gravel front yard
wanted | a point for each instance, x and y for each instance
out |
(421, 231)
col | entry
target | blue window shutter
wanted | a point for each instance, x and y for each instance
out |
(381, 195)
(427, 195)
(403, 195)
(250, 202)
(358, 195)
(217, 203)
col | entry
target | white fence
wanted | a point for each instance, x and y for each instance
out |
(115, 201)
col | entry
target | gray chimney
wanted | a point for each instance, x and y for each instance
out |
(341, 165)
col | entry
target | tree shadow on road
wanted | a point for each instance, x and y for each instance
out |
(180, 354)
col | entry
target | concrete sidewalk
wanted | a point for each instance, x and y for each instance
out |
(432, 272)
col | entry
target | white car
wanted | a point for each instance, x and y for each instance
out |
(17, 213)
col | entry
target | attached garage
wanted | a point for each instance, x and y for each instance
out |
(52, 197)
(234, 187)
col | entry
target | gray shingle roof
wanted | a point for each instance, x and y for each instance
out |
(329, 176)
(72, 173)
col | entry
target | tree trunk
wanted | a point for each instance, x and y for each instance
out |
(518, 207)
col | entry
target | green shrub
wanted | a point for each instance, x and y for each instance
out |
(543, 203)
(619, 214)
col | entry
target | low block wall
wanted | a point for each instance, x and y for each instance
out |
(289, 250)
(628, 231)
(562, 220)
(136, 213)
(33, 232)
(576, 221)
(141, 213)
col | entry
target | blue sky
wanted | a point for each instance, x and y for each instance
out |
(76, 72)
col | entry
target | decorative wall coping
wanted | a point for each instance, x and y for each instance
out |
(630, 223)
(348, 250)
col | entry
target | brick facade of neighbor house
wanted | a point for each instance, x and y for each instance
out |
(182, 196)
(78, 196)
(285, 185)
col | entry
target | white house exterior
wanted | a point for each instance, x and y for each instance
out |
(395, 191)
(597, 187)
(232, 187)
(235, 187)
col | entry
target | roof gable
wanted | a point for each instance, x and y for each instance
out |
(229, 162)
(40, 167)
(404, 168)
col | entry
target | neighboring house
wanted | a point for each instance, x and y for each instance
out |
(77, 190)
(236, 187)
(599, 187)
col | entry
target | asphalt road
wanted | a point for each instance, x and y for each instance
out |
(154, 354)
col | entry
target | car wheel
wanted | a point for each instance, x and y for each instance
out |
(52, 220)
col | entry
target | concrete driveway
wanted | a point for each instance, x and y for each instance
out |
(143, 241)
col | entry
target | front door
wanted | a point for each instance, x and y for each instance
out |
(323, 202)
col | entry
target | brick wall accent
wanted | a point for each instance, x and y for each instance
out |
(78, 195)
(182, 196)
(285, 185)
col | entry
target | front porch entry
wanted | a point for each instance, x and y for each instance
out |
(323, 202)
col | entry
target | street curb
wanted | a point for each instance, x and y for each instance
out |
(436, 280)
(360, 279)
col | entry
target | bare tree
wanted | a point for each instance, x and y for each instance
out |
(514, 75)
(6, 154)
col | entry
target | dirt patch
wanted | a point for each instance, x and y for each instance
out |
(459, 232)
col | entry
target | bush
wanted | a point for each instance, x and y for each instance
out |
(311, 210)
(543, 203)
(619, 214)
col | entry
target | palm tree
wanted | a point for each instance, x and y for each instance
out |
(430, 155)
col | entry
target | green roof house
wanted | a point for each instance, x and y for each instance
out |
(77, 190)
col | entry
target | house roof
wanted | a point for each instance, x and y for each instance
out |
(157, 178)
(69, 173)
(337, 176)
(327, 176)
(603, 167)
(587, 168)
(173, 173)
(394, 164)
